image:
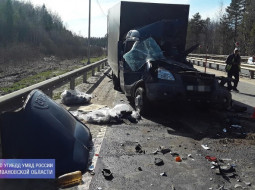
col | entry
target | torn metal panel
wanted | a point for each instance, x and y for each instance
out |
(44, 130)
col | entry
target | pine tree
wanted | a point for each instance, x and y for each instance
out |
(8, 21)
(196, 27)
(235, 13)
(47, 20)
(226, 35)
(248, 28)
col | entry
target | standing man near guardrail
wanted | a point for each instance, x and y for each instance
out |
(233, 68)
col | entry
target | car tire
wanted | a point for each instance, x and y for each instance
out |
(227, 103)
(140, 101)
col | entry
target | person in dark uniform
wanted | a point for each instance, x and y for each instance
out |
(233, 68)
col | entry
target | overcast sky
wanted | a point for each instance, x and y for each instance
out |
(74, 14)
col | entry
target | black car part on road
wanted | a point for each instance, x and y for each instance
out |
(43, 129)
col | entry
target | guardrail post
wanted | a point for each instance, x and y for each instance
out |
(102, 65)
(210, 65)
(93, 71)
(217, 67)
(72, 83)
(252, 74)
(98, 68)
(49, 92)
(85, 77)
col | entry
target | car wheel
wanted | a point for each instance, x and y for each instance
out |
(226, 103)
(140, 100)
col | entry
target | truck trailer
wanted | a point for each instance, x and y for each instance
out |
(146, 52)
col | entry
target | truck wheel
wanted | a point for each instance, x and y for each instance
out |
(226, 103)
(141, 102)
(116, 82)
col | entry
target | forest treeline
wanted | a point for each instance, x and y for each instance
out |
(234, 26)
(27, 32)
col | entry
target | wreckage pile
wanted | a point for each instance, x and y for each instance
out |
(104, 115)
(73, 97)
(121, 112)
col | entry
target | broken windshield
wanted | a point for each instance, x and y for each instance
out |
(141, 52)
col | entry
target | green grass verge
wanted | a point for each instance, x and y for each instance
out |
(94, 59)
(44, 76)
(31, 80)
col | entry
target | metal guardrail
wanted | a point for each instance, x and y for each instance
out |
(219, 57)
(16, 99)
(202, 61)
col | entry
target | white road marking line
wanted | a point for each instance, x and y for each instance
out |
(87, 178)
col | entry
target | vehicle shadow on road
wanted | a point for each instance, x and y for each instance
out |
(200, 121)
(251, 95)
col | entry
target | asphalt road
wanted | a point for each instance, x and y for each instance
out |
(182, 129)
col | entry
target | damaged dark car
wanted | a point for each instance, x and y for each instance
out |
(152, 65)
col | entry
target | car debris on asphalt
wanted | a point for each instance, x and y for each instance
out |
(247, 183)
(74, 97)
(164, 150)
(174, 154)
(211, 158)
(238, 185)
(138, 148)
(69, 179)
(158, 162)
(225, 170)
(205, 147)
(163, 174)
(120, 113)
(107, 174)
(233, 128)
(178, 159)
